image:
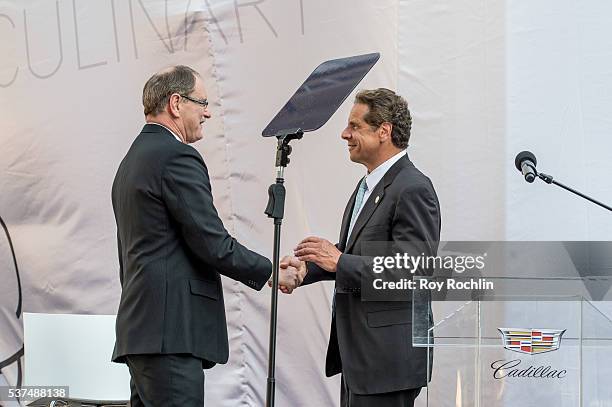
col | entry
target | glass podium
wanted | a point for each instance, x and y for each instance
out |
(531, 349)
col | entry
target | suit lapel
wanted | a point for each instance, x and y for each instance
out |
(374, 200)
(347, 218)
(368, 209)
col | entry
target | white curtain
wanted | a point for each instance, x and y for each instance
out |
(484, 80)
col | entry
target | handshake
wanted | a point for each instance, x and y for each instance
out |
(292, 269)
(291, 273)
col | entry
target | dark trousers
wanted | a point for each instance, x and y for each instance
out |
(403, 398)
(166, 380)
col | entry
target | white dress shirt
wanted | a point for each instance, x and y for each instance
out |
(372, 179)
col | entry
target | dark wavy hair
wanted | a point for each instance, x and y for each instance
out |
(387, 107)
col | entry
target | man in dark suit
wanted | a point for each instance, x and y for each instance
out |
(172, 249)
(371, 341)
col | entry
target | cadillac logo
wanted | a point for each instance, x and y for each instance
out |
(531, 341)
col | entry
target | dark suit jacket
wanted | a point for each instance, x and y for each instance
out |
(172, 249)
(371, 341)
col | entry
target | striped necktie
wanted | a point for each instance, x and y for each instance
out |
(363, 187)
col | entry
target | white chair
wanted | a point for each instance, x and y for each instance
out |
(75, 351)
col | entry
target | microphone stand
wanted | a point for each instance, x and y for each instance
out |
(549, 180)
(276, 209)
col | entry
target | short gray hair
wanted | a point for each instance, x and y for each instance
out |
(387, 106)
(177, 79)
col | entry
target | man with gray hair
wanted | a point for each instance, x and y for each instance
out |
(172, 249)
(371, 341)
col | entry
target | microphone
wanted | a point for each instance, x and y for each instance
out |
(526, 162)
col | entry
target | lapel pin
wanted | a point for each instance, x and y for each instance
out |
(377, 199)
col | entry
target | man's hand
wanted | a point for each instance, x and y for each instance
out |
(290, 274)
(319, 251)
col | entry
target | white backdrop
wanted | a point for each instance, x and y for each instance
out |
(559, 72)
(484, 80)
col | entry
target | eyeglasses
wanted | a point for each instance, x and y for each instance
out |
(203, 102)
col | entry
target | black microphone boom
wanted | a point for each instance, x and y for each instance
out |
(526, 162)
